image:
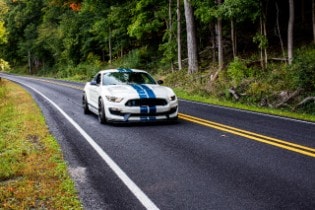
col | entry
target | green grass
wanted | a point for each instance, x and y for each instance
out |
(33, 174)
(278, 112)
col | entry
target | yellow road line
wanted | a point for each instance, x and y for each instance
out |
(250, 135)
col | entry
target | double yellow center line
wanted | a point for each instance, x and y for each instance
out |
(308, 151)
(250, 135)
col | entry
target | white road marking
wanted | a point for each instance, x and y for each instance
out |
(140, 195)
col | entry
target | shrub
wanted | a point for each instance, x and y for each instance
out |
(4, 65)
(237, 71)
(303, 69)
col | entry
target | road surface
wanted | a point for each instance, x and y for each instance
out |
(213, 158)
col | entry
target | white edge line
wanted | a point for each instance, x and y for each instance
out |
(140, 195)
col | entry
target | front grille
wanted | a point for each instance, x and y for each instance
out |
(146, 102)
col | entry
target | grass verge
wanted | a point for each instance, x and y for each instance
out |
(33, 174)
(278, 112)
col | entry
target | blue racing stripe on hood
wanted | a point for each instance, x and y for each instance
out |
(149, 91)
(141, 92)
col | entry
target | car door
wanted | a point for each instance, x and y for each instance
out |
(94, 90)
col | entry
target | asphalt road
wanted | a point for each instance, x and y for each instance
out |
(188, 165)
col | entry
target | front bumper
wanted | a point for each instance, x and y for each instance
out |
(120, 112)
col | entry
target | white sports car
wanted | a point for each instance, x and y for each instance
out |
(129, 95)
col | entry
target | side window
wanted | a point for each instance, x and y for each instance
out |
(98, 79)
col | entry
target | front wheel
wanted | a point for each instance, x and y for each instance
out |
(101, 112)
(85, 105)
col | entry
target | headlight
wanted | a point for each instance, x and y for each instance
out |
(114, 99)
(173, 98)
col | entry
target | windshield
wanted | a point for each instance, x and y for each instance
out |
(121, 78)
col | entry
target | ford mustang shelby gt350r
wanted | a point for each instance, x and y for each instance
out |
(128, 95)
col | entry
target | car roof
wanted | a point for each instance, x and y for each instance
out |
(121, 70)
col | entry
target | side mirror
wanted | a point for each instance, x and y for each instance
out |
(93, 82)
(160, 82)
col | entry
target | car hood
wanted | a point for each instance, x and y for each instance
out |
(136, 91)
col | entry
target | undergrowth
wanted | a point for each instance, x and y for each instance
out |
(33, 174)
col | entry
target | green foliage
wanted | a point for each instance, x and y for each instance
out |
(238, 71)
(169, 51)
(303, 69)
(70, 28)
(239, 10)
(4, 65)
(136, 58)
(261, 40)
(3, 9)
(3, 33)
(256, 91)
(196, 83)
(81, 72)
(147, 18)
(206, 11)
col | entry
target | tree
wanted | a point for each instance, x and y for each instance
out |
(219, 39)
(191, 38)
(206, 12)
(22, 21)
(147, 18)
(179, 31)
(49, 32)
(261, 37)
(118, 18)
(168, 47)
(278, 29)
(313, 18)
(238, 11)
(3, 33)
(290, 31)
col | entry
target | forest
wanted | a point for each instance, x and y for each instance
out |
(259, 52)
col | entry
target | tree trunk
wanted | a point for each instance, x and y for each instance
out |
(265, 47)
(170, 38)
(279, 31)
(179, 45)
(218, 30)
(263, 42)
(29, 60)
(290, 31)
(306, 100)
(303, 12)
(233, 38)
(261, 49)
(219, 40)
(213, 43)
(191, 38)
(110, 45)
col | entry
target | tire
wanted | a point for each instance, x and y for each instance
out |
(101, 112)
(85, 105)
